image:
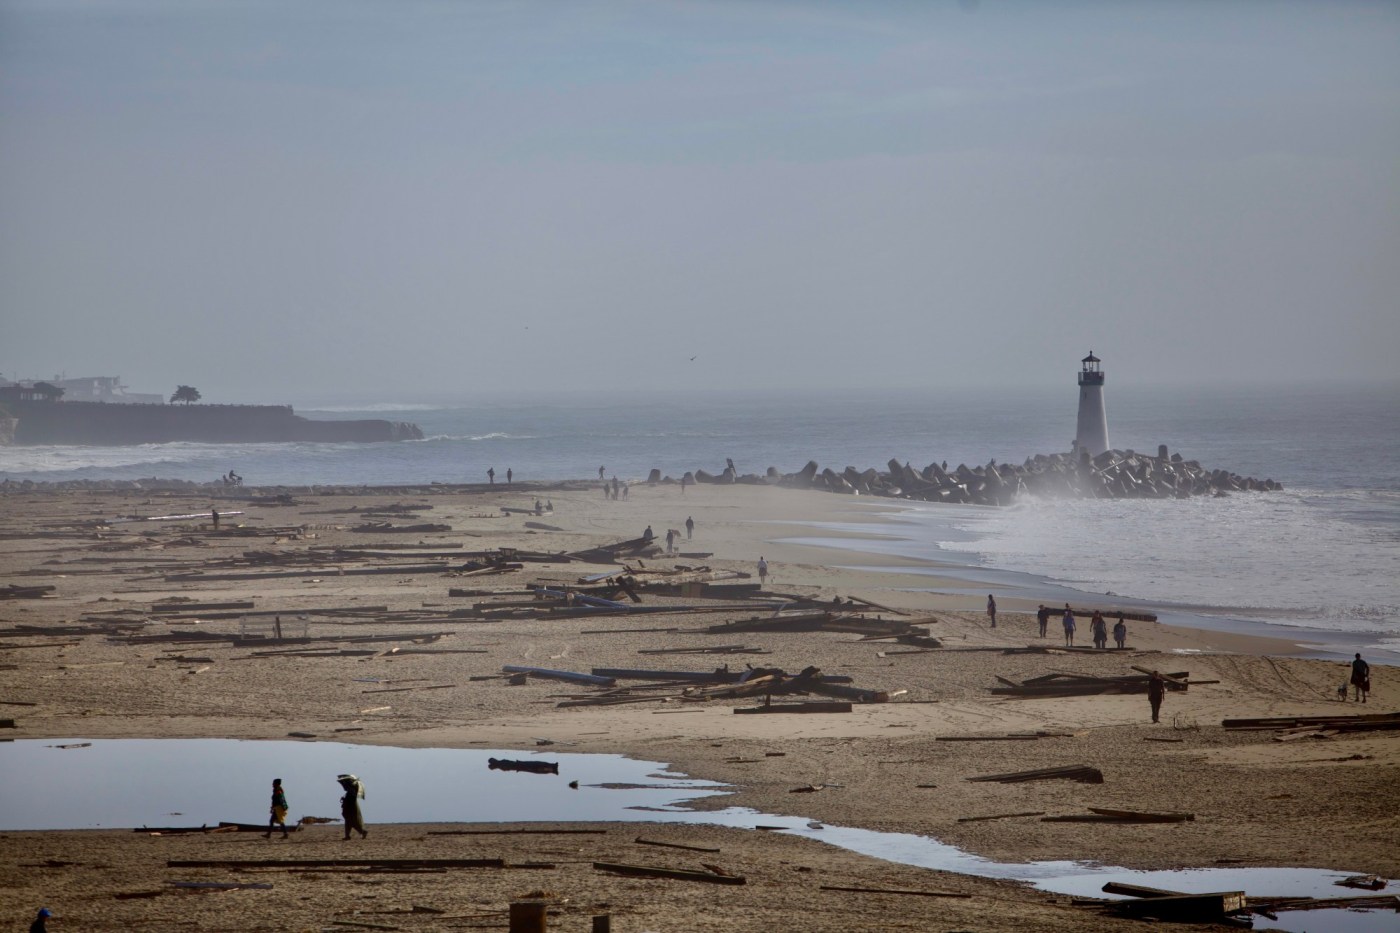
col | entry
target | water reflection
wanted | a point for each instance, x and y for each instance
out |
(191, 782)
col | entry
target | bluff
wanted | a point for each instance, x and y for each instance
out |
(118, 424)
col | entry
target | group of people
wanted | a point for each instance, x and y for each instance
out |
(612, 489)
(349, 807)
(491, 475)
(1098, 626)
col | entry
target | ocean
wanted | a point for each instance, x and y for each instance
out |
(1319, 557)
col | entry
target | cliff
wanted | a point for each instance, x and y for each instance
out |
(115, 424)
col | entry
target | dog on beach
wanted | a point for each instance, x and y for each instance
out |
(1342, 693)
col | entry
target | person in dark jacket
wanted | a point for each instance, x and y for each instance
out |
(350, 804)
(1156, 689)
(1361, 677)
(40, 924)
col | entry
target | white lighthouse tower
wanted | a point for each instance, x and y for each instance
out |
(1091, 433)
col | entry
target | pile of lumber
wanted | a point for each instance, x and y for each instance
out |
(1065, 684)
(703, 686)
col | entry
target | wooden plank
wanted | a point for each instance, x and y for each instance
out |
(1137, 890)
(673, 845)
(1183, 906)
(517, 832)
(833, 707)
(999, 816)
(339, 863)
(592, 680)
(646, 871)
(832, 887)
(1082, 773)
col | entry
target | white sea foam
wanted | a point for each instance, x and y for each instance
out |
(1290, 557)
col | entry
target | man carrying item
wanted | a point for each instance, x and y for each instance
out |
(278, 812)
(350, 804)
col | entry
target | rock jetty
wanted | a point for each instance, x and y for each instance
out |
(1113, 474)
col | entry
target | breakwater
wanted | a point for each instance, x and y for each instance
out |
(117, 424)
(1114, 474)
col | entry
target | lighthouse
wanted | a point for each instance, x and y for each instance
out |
(1091, 434)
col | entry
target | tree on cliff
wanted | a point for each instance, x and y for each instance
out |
(185, 394)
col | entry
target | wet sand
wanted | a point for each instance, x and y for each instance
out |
(1315, 803)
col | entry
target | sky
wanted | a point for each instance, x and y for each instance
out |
(403, 201)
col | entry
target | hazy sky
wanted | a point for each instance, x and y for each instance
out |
(284, 201)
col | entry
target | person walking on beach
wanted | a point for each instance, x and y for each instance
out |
(1099, 629)
(491, 475)
(214, 513)
(1043, 617)
(278, 811)
(992, 610)
(1361, 677)
(670, 540)
(1069, 626)
(510, 475)
(689, 527)
(762, 571)
(1156, 689)
(350, 804)
(600, 472)
(1120, 632)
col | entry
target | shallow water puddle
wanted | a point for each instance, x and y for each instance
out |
(190, 782)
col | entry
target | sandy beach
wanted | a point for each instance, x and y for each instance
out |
(1328, 802)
